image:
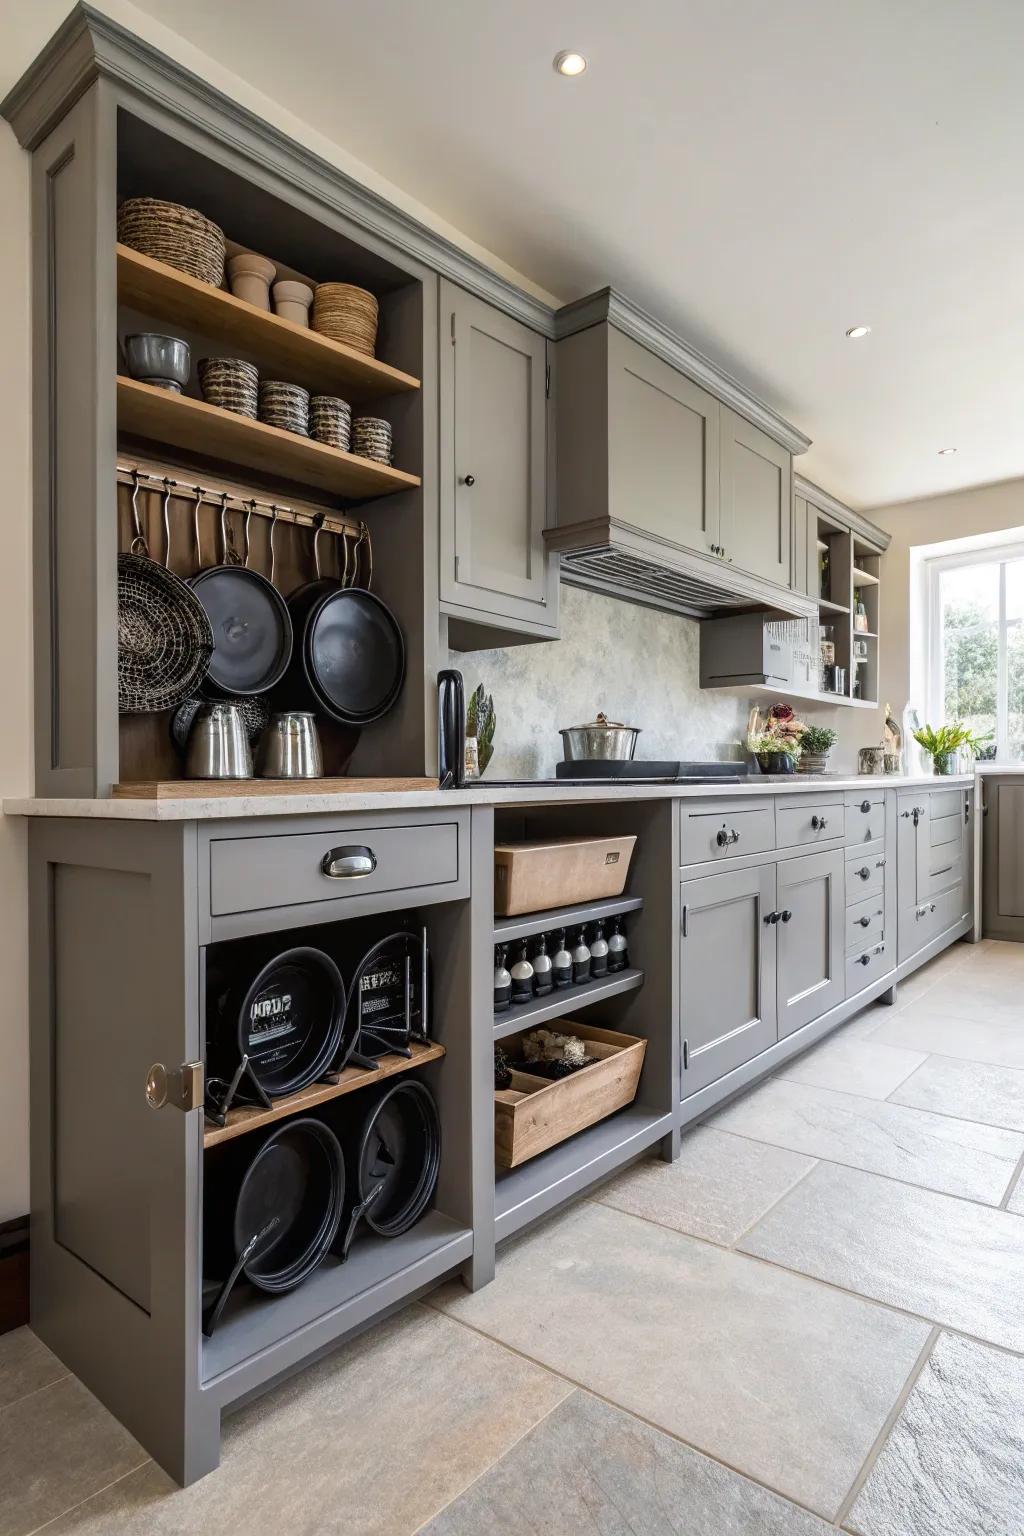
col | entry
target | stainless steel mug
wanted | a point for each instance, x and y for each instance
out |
(218, 744)
(290, 747)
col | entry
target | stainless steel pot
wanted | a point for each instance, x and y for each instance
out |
(290, 747)
(603, 739)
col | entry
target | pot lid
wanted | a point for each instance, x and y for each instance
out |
(602, 723)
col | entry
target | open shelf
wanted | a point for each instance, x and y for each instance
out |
(295, 352)
(864, 578)
(249, 1118)
(830, 607)
(183, 422)
(523, 1194)
(565, 1001)
(865, 634)
(508, 928)
(379, 1273)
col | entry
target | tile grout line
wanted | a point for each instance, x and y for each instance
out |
(768, 1210)
(961, 1061)
(887, 1428)
(1015, 1178)
(37, 1529)
(46, 1387)
(498, 1459)
(630, 1413)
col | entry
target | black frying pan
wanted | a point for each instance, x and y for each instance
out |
(350, 662)
(252, 627)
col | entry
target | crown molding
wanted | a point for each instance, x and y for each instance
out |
(855, 521)
(611, 306)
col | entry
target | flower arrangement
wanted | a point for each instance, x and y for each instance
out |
(944, 743)
(775, 738)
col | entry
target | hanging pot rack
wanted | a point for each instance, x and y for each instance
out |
(278, 511)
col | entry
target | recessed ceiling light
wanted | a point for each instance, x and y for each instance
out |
(568, 63)
(944, 451)
(857, 331)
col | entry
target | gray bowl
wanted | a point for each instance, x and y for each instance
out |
(161, 360)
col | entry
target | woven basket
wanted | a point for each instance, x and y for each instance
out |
(346, 314)
(164, 639)
(180, 237)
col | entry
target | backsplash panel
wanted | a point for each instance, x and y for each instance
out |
(637, 664)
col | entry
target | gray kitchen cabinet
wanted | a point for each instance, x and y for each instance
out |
(494, 391)
(1002, 902)
(933, 880)
(804, 547)
(811, 937)
(755, 500)
(663, 445)
(726, 972)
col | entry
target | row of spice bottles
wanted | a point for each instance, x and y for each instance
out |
(585, 956)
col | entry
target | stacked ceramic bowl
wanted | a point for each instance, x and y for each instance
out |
(371, 438)
(347, 314)
(181, 237)
(285, 406)
(330, 421)
(229, 383)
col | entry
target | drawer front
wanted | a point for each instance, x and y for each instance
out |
(865, 923)
(865, 819)
(717, 833)
(946, 829)
(925, 921)
(863, 969)
(947, 866)
(945, 802)
(865, 876)
(808, 822)
(249, 874)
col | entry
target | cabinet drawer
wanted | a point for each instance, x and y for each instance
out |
(865, 923)
(865, 876)
(865, 819)
(921, 923)
(946, 867)
(726, 830)
(249, 874)
(945, 802)
(863, 969)
(946, 829)
(809, 821)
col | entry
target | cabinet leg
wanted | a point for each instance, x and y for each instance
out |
(199, 1449)
(668, 1146)
(889, 997)
(478, 1270)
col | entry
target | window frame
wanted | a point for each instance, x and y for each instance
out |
(995, 554)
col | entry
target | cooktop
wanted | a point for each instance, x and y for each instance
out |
(608, 771)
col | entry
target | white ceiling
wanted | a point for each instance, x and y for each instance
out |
(761, 176)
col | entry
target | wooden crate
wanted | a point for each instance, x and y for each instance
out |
(559, 872)
(535, 1114)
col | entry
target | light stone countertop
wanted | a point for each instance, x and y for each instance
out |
(235, 807)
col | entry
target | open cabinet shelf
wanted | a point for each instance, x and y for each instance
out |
(565, 1001)
(507, 929)
(143, 410)
(299, 354)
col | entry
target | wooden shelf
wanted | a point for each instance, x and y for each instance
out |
(183, 422)
(830, 607)
(280, 347)
(241, 1121)
(563, 1002)
(507, 929)
(201, 789)
(864, 578)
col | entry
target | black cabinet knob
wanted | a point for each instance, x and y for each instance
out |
(771, 917)
(865, 806)
(784, 917)
(864, 921)
(819, 823)
(864, 872)
(469, 479)
(864, 960)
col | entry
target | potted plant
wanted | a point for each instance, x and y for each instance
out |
(944, 744)
(775, 739)
(816, 743)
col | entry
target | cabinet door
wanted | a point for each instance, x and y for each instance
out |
(726, 973)
(493, 463)
(811, 932)
(804, 548)
(663, 440)
(913, 840)
(1003, 858)
(756, 500)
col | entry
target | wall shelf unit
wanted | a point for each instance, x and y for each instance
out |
(567, 1000)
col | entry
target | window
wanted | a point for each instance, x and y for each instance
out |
(976, 645)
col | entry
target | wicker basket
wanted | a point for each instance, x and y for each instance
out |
(180, 237)
(347, 314)
(164, 639)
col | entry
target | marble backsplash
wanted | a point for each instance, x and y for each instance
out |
(637, 664)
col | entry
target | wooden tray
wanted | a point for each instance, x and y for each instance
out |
(206, 789)
(559, 872)
(535, 1114)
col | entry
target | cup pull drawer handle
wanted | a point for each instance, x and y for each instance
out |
(348, 863)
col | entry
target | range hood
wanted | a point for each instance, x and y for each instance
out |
(610, 556)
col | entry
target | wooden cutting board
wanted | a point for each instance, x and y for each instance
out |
(206, 789)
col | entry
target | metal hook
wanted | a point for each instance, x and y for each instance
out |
(273, 529)
(344, 545)
(319, 521)
(200, 493)
(248, 519)
(364, 538)
(224, 528)
(138, 545)
(167, 521)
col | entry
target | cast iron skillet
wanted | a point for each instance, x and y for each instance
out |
(252, 627)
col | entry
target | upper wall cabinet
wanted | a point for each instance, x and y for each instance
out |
(755, 500)
(494, 470)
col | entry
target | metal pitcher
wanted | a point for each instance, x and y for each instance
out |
(218, 744)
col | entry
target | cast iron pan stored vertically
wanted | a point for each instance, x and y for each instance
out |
(252, 627)
(350, 659)
(393, 1154)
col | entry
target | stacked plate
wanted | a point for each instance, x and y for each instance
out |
(285, 406)
(229, 383)
(330, 421)
(371, 438)
(347, 314)
(181, 237)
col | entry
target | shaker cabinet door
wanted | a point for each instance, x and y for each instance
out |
(494, 475)
(726, 973)
(662, 448)
(811, 938)
(756, 500)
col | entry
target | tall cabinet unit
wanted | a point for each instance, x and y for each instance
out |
(1003, 856)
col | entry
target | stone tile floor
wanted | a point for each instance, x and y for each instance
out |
(813, 1321)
